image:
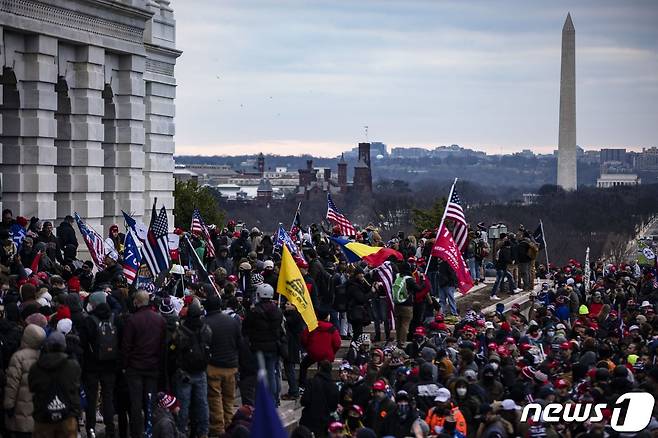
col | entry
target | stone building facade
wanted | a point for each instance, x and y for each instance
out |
(87, 107)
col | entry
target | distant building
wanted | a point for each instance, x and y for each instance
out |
(647, 160)
(264, 191)
(409, 153)
(530, 198)
(617, 179)
(607, 155)
(182, 174)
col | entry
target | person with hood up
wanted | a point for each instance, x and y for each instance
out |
(18, 402)
(222, 260)
(401, 422)
(359, 350)
(321, 344)
(240, 246)
(99, 339)
(55, 385)
(66, 233)
(191, 345)
(262, 325)
(319, 400)
(426, 390)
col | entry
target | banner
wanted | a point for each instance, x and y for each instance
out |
(293, 286)
(446, 249)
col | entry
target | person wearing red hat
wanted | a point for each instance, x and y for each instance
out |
(420, 299)
(379, 408)
(419, 341)
(164, 423)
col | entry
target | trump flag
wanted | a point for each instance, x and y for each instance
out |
(446, 249)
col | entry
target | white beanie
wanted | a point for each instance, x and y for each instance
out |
(64, 326)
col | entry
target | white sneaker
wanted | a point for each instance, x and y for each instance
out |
(517, 290)
(494, 298)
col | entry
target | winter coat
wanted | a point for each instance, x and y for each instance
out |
(377, 412)
(89, 337)
(294, 328)
(18, 397)
(262, 325)
(164, 425)
(320, 399)
(322, 343)
(66, 235)
(143, 341)
(66, 371)
(358, 295)
(108, 275)
(226, 339)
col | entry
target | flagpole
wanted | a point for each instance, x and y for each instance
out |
(299, 206)
(543, 236)
(445, 211)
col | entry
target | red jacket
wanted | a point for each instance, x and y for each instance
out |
(426, 287)
(322, 343)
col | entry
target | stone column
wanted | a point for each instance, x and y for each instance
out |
(29, 156)
(80, 157)
(124, 154)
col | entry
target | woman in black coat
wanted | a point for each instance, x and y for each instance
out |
(294, 327)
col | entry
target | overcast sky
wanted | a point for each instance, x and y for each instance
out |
(304, 76)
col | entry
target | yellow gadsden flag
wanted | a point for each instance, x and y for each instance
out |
(292, 286)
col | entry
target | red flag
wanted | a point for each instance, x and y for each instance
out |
(376, 259)
(35, 263)
(445, 249)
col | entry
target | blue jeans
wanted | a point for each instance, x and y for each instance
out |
(291, 375)
(447, 298)
(473, 268)
(501, 275)
(273, 374)
(379, 315)
(192, 392)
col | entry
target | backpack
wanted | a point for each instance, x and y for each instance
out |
(400, 293)
(193, 348)
(55, 406)
(481, 249)
(106, 346)
(533, 250)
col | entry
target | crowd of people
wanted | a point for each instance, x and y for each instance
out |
(80, 346)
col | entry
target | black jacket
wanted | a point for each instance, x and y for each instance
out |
(108, 275)
(49, 367)
(66, 235)
(89, 336)
(358, 295)
(262, 325)
(447, 277)
(226, 340)
(320, 399)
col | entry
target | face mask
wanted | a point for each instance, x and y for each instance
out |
(186, 292)
(550, 333)
(494, 365)
(461, 392)
(403, 410)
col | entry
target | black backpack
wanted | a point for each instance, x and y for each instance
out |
(193, 348)
(106, 346)
(55, 406)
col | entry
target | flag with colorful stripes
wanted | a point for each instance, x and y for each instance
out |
(386, 276)
(95, 243)
(132, 258)
(455, 212)
(199, 227)
(333, 216)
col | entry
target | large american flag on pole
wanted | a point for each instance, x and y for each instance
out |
(387, 276)
(455, 212)
(333, 216)
(94, 241)
(199, 227)
(156, 246)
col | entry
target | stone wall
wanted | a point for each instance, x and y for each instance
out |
(87, 108)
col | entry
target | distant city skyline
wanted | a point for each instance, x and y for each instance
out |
(293, 77)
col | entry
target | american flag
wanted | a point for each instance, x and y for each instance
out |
(95, 243)
(455, 212)
(386, 276)
(333, 216)
(199, 227)
(156, 245)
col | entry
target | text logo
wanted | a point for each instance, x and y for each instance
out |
(631, 412)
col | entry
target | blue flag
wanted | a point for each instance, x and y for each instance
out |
(17, 234)
(266, 420)
(349, 255)
(283, 238)
(131, 257)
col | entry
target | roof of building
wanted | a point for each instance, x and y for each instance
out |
(264, 186)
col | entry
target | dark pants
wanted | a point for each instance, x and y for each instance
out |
(293, 385)
(303, 369)
(357, 329)
(141, 383)
(107, 382)
(380, 314)
(417, 318)
(122, 404)
(501, 275)
(247, 385)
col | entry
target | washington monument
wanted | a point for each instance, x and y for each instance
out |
(566, 159)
